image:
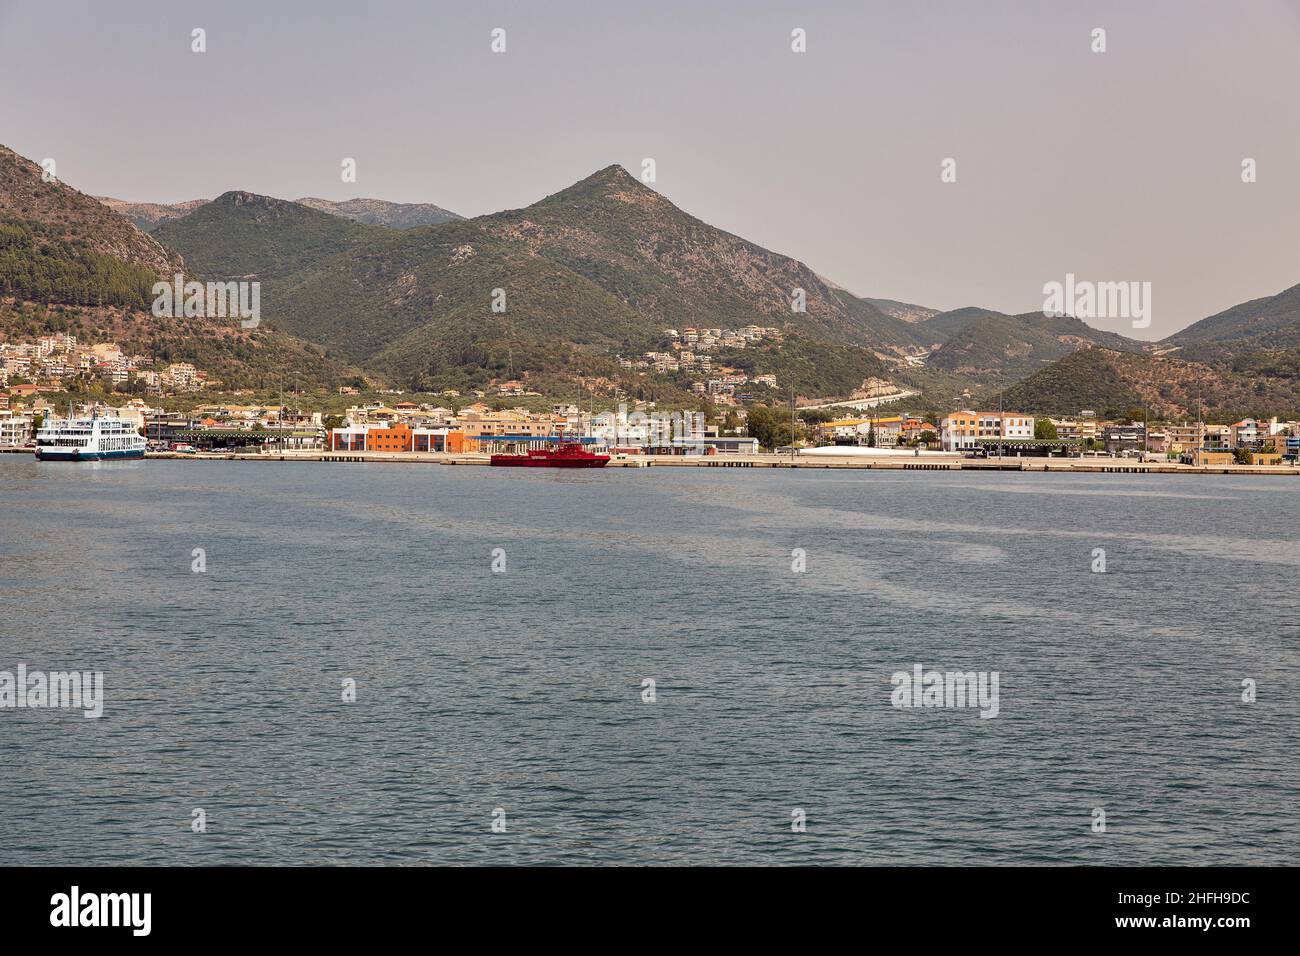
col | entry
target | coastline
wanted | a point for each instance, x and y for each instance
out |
(822, 462)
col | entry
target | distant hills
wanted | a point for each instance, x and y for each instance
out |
(148, 216)
(378, 212)
(416, 296)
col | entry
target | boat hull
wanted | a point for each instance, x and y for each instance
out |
(49, 454)
(526, 461)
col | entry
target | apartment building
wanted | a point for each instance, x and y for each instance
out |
(968, 429)
(15, 430)
(1245, 433)
(1120, 438)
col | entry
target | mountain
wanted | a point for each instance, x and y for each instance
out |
(666, 264)
(240, 234)
(68, 263)
(378, 212)
(904, 310)
(148, 216)
(1113, 382)
(944, 325)
(590, 274)
(1271, 322)
(995, 348)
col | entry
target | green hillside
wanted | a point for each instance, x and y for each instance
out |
(243, 235)
(36, 264)
(1113, 382)
(633, 242)
(996, 349)
(1271, 322)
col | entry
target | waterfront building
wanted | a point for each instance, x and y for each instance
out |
(914, 428)
(969, 429)
(1184, 437)
(1121, 438)
(1245, 433)
(398, 437)
(15, 430)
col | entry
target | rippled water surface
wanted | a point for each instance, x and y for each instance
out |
(523, 690)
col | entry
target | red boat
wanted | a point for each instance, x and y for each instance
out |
(564, 455)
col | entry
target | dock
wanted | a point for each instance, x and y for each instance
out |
(902, 462)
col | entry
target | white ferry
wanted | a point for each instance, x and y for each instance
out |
(88, 439)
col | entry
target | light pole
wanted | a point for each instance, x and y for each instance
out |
(792, 423)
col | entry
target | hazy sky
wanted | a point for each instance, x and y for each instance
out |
(1123, 165)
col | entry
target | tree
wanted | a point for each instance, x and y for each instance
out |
(927, 437)
(771, 426)
(1241, 456)
(1045, 428)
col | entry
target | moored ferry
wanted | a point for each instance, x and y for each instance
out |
(88, 439)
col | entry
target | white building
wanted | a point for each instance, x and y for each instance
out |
(968, 429)
(15, 430)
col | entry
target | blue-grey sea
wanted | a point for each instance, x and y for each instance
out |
(518, 695)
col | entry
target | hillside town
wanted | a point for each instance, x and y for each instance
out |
(55, 362)
(690, 351)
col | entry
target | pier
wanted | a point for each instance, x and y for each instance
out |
(902, 462)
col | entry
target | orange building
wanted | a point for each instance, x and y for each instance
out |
(395, 437)
(399, 437)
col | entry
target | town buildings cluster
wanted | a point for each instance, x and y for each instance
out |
(1016, 433)
(690, 351)
(729, 388)
(411, 427)
(52, 361)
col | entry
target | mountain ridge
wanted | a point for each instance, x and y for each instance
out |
(148, 216)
